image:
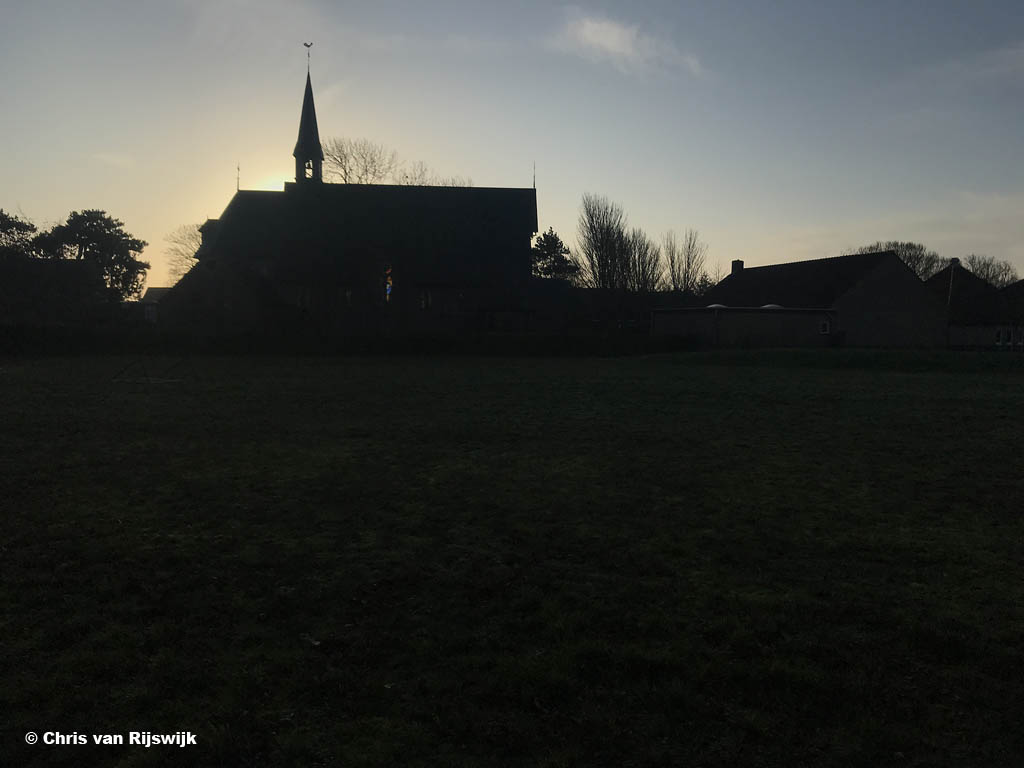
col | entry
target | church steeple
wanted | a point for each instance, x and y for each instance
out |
(308, 154)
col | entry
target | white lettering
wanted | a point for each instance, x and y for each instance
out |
(149, 739)
(56, 737)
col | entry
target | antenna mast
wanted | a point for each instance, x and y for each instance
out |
(238, 176)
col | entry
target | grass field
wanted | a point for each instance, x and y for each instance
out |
(758, 559)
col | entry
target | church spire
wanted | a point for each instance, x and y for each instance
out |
(309, 156)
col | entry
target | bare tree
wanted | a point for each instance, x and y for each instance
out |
(611, 257)
(643, 270)
(685, 262)
(673, 261)
(452, 181)
(602, 245)
(995, 271)
(693, 252)
(182, 245)
(419, 174)
(415, 174)
(708, 279)
(916, 256)
(359, 161)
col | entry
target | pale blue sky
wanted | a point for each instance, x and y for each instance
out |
(782, 131)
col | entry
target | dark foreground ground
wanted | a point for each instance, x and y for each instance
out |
(758, 559)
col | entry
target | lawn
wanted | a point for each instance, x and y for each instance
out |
(706, 559)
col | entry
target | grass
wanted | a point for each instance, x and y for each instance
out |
(758, 558)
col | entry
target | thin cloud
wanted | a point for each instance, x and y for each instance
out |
(625, 46)
(1000, 67)
(997, 65)
(420, 45)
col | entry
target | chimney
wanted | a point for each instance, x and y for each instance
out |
(737, 266)
(954, 262)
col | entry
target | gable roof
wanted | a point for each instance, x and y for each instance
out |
(800, 284)
(969, 299)
(153, 295)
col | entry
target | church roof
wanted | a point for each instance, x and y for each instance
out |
(817, 283)
(308, 144)
(325, 216)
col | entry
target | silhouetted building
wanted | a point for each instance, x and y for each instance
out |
(870, 300)
(150, 303)
(357, 258)
(50, 292)
(977, 313)
(1013, 294)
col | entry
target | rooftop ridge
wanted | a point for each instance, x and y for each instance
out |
(823, 259)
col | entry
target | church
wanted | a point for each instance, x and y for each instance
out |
(358, 258)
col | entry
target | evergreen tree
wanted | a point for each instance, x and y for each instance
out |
(551, 257)
(94, 236)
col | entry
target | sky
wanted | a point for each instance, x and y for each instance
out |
(781, 131)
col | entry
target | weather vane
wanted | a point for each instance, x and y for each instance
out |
(308, 46)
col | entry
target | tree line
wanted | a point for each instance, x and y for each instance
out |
(88, 236)
(611, 255)
(926, 262)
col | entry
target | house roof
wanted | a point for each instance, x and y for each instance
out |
(1014, 296)
(969, 299)
(320, 217)
(308, 144)
(798, 284)
(153, 295)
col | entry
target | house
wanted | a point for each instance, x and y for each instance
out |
(1013, 295)
(977, 313)
(358, 258)
(150, 302)
(865, 300)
